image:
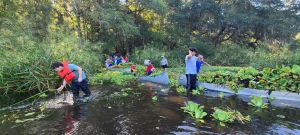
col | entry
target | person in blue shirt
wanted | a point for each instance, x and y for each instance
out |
(118, 60)
(200, 62)
(108, 63)
(191, 70)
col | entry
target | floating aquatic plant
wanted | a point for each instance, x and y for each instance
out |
(229, 116)
(195, 110)
(180, 90)
(154, 98)
(257, 101)
(198, 91)
(221, 95)
(222, 116)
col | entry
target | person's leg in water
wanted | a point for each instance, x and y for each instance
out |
(188, 84)
(85, 88)
(75, 90)
(193, 81)
(149, 73)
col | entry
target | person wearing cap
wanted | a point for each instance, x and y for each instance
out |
(164, 62)
(150, 68)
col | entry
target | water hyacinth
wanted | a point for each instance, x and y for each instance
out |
(114, 77)
(198, 91)
(257, 101)
(229, 116)
(280, 78)
(195, 110)
(180, 90)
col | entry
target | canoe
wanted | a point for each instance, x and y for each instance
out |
(282, 98)
(159, 79)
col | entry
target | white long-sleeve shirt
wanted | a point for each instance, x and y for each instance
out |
(164, 61)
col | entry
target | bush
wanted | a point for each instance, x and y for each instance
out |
(175, 57)
(153, 54)
(230, 55)
(115, 77)
(280, 78)
(296, 57)
(208, 50)
(271, 57)
(25, 66)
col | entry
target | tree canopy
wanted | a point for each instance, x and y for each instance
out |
(129, 24)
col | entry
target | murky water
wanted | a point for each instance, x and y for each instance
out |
(132, 111)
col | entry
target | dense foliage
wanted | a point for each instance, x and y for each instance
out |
(34, 33)
(114, 77)
(280, 78)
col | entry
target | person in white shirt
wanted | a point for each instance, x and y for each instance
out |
(164, 62)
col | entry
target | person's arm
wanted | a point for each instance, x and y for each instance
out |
(189, 56)
(64, 83)
(80, 74)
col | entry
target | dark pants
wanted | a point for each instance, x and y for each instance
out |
(75, 86)
(164, 66)
(191, 83)
(149, 72)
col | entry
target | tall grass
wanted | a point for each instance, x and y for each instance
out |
(25, 70)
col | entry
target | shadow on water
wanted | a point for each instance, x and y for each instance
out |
(133, 111)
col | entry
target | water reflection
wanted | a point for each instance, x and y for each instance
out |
(74, 115)
(139, 114)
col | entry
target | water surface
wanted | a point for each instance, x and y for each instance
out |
(136, 113)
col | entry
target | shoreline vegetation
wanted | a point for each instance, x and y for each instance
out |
(36, 33)
(274, 79)
(286, 78)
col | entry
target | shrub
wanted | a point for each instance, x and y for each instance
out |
(230, 55)
(25, 67)
(114, 77)
(271, 57)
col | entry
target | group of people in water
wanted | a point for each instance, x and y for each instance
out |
(76, 77)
